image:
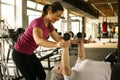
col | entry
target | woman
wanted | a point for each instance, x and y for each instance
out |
(34, 36)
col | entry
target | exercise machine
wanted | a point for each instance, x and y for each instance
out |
(8, 36)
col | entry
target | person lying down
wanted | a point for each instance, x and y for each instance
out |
(84, 69)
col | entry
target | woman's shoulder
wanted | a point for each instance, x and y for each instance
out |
(38, 22)
(39, 19)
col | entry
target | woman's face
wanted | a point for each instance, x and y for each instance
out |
(53, 17)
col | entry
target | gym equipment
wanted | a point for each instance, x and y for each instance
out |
(54, 52)
(79, 35)
(15, 34)
(118, 32)
(104, 27)
(4, 68)
(99, 32)
(66, 36)
(8, 36)
(50, 55)
(112, 57)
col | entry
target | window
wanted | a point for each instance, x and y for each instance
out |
(8, 15)
(33, 10)
(31, 4)
(39, 7)
(8, 1)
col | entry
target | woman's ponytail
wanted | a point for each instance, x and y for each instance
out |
(45, 10)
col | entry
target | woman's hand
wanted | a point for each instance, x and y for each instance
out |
(62, 43)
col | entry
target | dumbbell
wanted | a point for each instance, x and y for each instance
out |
(66, 36)
(79, 35)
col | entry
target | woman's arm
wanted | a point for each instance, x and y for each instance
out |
(65, 61)
(38, 37)
(81, 50)
(55, 36)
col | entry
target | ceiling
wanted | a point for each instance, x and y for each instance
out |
(105, 8)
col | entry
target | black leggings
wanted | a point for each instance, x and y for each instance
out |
(29, 66)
